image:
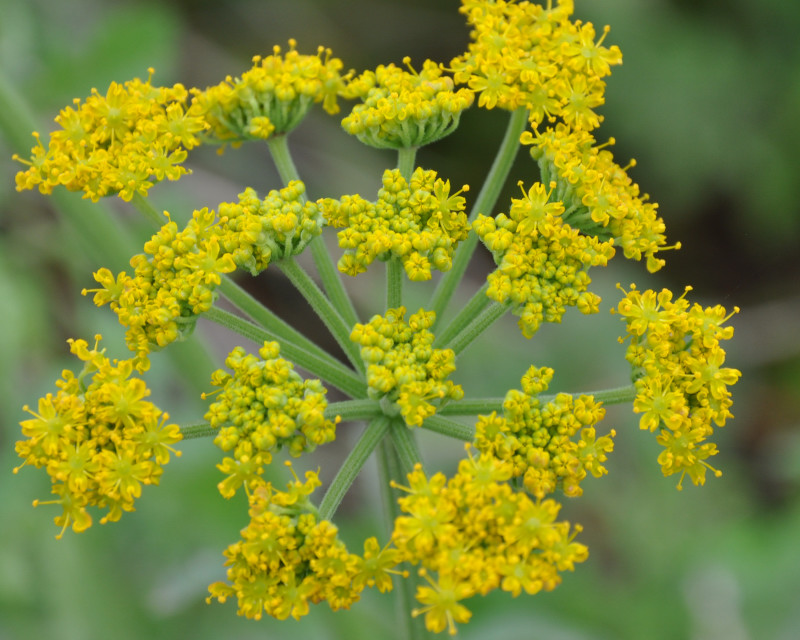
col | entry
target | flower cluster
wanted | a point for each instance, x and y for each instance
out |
(542, 261)
(402, 109)
(173, 282)
(599, 197)
(256, 231)
(264, 406)
(287, 558)
(402, 366)
(537, 438)
(473, 533)
(681, 384)
(98, 439)
(416, 221)
(119, 143)
(522, 54)
(273, 96)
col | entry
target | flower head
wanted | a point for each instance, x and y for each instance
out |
(542, 261)
(550, 444)
(681, 383)
(599, 197)
(262, 407)
(472, 533)
(418, 221)
(273, 96)
(118, 143)
(522, 54)
(405, 109)
(98, 438)
(402, 366)
(288, 558)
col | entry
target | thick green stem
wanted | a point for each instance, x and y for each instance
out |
(405, 444)
(478, 325)
(394, 283)
(449, 428)
(352, 410)
(248, 305)
(405, 162)
(323, 308)
(327, 368)
(372, 436)
(484, 203)
(331, 281)
(389, 470)
(199, 430)
(472, 309)
(156, 217)
(471, 407)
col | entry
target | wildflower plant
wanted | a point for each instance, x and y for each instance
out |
(493, 523)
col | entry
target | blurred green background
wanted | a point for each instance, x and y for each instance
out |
(707, 101)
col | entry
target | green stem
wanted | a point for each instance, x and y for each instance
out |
(484, 203)
(471, 310)
(352, 410)
(405, 162)
(327, 368)
(478, 325)
(148, 210)
(449, 428)
(389, 471)
(247, 304)
(331, 281)
(199, 430)
(618, 395)
(352, 465)
(405, 444)
(471, 407)
(323, 308)
(394, 283)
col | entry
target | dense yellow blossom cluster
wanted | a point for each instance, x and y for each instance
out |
(473, 533)
(538, 438)
(599, 197)
(542, 262)
(173, 282)
(119, 143)
(681, 384)
(523, 54)
(404, 109)
(403, 368)
(287, 558)
(257, 231)
(418, 222)
(273, 96)
(98, 439)
(263, 407)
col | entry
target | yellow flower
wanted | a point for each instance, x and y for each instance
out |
(402, 366)
(405, 109)
(273, 96)
(98, 439)
(119, 143)
(418, 222)
(262, 407)
(681, 384)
